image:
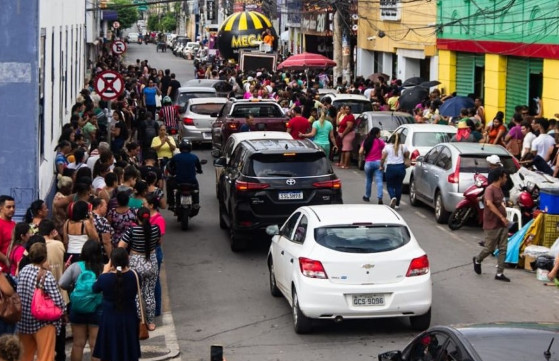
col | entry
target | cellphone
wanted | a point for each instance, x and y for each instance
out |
(216, 353)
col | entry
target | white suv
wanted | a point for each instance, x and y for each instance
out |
(358, 103)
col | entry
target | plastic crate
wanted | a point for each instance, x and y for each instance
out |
(551, 229)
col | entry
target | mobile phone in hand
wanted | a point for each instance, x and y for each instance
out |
(216, 353)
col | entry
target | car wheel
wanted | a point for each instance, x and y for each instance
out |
(238, 243)
(274, 290)
(222, 223)
(301, 323)
(441, 214)
(413, 195)
(421, 323)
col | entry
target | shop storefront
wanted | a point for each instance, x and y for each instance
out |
(317, 30)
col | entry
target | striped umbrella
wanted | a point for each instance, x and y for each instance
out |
(246, 20)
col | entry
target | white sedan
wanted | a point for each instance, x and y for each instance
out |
(350, 261)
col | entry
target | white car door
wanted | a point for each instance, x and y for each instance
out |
(294, 249)
(280, 243)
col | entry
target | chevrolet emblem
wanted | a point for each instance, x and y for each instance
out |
(368, 266)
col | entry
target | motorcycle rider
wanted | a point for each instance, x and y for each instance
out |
(183, 167)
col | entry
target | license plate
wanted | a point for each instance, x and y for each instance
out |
(368, 300)
(289, 196)
(186, 200)
(207, 135)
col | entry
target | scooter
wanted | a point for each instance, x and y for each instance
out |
(187, 203)
(471, 205)
(527, 199)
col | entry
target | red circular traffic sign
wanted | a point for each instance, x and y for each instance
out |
(116, 25)
(118, 47)
(109, 84)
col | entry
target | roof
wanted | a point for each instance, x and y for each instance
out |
(203, 82)
(196, 89)
(282, 145)
(207, 100)
(375, 113)
(430, 128)
(239, 137)
(478, 148)
(346, 96)
(240, 101)
(332, 214)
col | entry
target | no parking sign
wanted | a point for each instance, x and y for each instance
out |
(118, 47)
(109, 84)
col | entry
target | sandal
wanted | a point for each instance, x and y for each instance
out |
(151, 327)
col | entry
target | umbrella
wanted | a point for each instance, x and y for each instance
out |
(412, 96)
(453, 106)
(374, 77)
(306, 61)
(413, 81)
(428, 84)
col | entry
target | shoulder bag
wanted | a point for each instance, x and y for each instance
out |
(43, 307)
(10, 307)
(143, 333)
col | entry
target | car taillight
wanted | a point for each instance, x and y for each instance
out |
(455, 176)
(250, 186)
(414, 156)
(232, 125)
(188, 121)
(311, 268)
(334, 184)
(418, 266)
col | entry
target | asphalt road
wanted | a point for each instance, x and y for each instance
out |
(220, 297)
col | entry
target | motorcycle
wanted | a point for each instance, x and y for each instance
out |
(472, 204)
(187, 203)
(527, 199)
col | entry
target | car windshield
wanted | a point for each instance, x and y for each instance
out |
(362, 238)
(357, 106)
(430, 139)
(183, 97)
(390, 122)
(471, 163)
(206, 109)
(257, 111)
(289, 165)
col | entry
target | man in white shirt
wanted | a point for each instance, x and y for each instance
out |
(544, 141)
(103, 146)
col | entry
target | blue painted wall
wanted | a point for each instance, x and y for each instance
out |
(19, 94)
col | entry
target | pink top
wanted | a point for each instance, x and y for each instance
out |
(15, 257)
(158, 220)
(376, 151)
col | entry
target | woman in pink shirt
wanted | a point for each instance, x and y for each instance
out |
(157, 219)
(371, 149)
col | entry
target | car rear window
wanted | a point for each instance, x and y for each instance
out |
(471, 163)
(206, 109)
(362, 238)
(430, 139)
(357, 106)
(390, 123)
(257, 111)
(183, 97)
(289, 165)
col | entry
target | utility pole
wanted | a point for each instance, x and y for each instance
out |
(337, 40)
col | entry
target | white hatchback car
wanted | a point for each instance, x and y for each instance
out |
(349, 261)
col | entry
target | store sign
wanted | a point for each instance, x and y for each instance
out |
(210, 11)
(390, 10)
(315, 23)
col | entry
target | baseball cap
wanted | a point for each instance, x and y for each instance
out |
(494, 159)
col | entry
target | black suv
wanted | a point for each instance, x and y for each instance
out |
(266, 180)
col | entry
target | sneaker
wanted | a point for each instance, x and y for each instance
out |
(366, 199)
(393, 202)
(502, 277)
(380, 201)
(477, 266)
(396, 207)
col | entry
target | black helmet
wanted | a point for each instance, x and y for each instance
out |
(185, 145)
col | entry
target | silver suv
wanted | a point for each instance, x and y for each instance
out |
(440, 178)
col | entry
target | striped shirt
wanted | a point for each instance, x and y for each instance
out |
(169, 115)
(134, 238)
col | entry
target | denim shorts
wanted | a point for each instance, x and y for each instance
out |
(85, 318)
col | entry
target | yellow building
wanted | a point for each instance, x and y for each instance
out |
(397, 39)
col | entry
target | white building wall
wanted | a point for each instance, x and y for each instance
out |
(365, 62)
(62, 29)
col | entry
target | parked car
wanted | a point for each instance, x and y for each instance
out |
(386, 121)
(358, 103)
(266, 180)
(235, 139)
(482, 342)
(189, 92)
(179, 43)
(267, 113)
(132, 37)
(190, 49)
(197, 119)
(420, 138)
(440, 178)
(222, 87)
(350, 261)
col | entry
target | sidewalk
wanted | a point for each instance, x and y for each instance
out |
(162, 343)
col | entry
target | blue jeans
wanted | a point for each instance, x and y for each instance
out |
(395, 174)
(159, 256)
(372, 170)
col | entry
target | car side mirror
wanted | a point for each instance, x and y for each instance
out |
(214, 115)
(420, 159)
(272, 230)
(390, 356)
(220, 162)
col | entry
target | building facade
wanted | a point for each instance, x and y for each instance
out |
(42, 69)
(506, 52)
(397, 38)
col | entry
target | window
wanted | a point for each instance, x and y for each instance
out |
(445, 159)
(451, 352)
(431, 157)
(288, 226)
(362, 239)
(257, 111)
(426, 139)
(236, 159)
(301, 230)
(289, 165)
(206, 108)
(404, 135)
(425, 347)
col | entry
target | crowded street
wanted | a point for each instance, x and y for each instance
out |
(220, 297)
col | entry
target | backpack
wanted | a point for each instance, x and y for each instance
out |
(82, 297)
(151, 131)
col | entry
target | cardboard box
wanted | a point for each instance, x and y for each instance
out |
(527, 261)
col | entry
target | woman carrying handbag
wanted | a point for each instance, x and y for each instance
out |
(38, 337)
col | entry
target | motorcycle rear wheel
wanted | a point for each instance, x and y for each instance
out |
(458, 218)
(184, 220)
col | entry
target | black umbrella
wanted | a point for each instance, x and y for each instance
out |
(428, 84)
(413, 81)
(411, 97)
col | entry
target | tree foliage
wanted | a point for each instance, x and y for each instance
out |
(164, 23)
(127, 15)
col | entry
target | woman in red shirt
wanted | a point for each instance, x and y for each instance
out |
(346, 132)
